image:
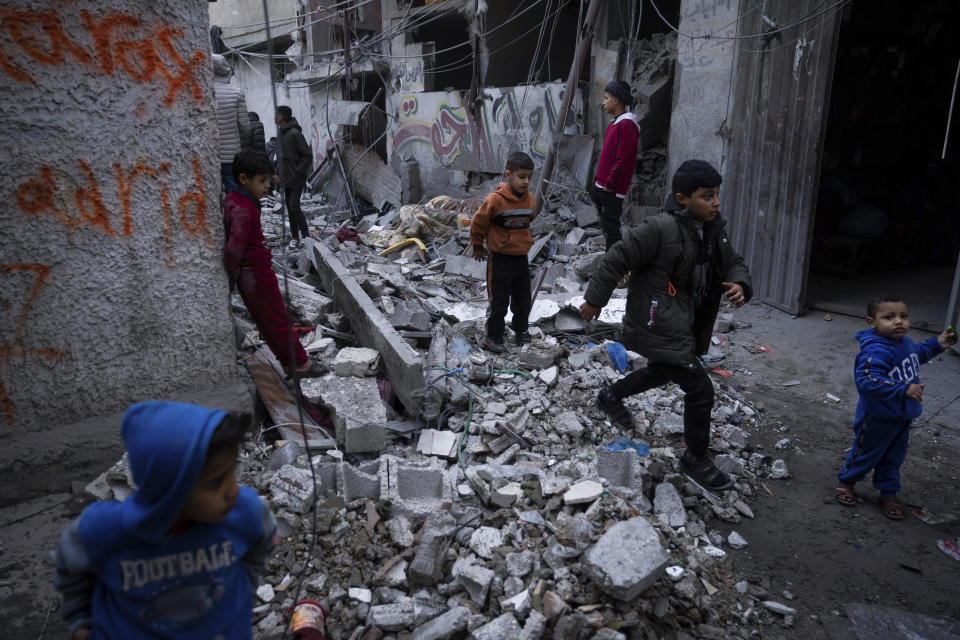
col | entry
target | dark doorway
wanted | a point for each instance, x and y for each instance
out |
(887, 217)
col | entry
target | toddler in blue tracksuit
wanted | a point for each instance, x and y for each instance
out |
(887, 373)
(180, 558)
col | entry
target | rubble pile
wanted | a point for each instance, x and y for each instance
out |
(541, 530)
(504, 505)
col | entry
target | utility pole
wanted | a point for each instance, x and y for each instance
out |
(583, 47)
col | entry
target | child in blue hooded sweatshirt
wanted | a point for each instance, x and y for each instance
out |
(181, 557)
(887, 373)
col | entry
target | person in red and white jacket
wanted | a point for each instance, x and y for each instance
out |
(617, 159)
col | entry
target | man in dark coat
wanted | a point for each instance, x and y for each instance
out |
(680, 264)
(254, 140)
(294, 157)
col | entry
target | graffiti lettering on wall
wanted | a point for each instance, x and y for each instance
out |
(105, 43)
(407, 75)
(510, 118)
(706, 8)
(15, 349)
(79, 203)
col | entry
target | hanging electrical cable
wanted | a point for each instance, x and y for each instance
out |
(298, 398)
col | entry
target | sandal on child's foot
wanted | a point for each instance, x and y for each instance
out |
(892, 507)
(844, 495)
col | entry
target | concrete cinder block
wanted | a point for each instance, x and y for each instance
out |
(419, 483)
(627, 559)
(357, 484)
(618, 467)
(355, 409)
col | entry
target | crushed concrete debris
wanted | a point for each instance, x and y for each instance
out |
(496, 513)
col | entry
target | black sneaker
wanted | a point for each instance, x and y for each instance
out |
(705, 472)
(493, 344)
(523, 338)
(614, 407)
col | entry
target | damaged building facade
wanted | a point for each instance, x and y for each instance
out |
(107, 217)
(423, 488)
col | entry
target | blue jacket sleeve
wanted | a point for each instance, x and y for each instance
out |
(74, 578)
(256, 557)
(870, 375)
(928, 348)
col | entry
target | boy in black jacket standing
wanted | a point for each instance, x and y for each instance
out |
(681, 262)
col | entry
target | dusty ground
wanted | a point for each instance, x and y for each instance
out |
(801, 541)
(825, 555)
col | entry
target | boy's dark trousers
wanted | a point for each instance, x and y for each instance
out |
(298, 223)
(508, 284)
(697, 402)
(879, 445)
(609, 207)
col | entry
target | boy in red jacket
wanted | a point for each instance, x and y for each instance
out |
(503, 220)
(248, 261)
(617, 159)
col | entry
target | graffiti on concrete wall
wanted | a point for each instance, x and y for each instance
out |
(407, 75)
(436, 128)
(15, 348)
(78, 202)
(712, 29)
(106, 43)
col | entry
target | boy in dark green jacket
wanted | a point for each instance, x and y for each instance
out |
(680, 264)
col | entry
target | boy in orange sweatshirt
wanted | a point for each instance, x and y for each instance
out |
(504, 221)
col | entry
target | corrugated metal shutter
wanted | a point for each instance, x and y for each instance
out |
(781, 98)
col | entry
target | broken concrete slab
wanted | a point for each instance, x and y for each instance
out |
(356, 361)
(293, 488)
(668, 505)
(410, 315)
(583, 492)
(504, 627)
(402, 363)
(444, 626)
(568, 423)
(466, 266)
(485, 540)
(627, 559)
(355, 409)
(437, 443)
(587, 215)
(464, 312)
(474, 578)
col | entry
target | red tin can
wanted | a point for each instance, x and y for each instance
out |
(308, 620)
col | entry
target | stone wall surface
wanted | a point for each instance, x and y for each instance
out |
(111, 283)
(703, 82)
(436, 129)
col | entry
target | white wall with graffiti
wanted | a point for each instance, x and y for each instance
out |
(442, 136)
